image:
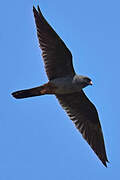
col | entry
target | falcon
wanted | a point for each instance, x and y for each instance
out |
(66, 85)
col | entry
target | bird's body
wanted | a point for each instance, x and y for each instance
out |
(70, 84)
(64, 85)
(67, 86)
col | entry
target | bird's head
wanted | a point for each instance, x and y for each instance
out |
(82, 81)
(87, 81)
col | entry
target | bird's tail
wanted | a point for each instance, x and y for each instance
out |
(37, 91)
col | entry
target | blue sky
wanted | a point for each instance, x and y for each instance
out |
(37, 139)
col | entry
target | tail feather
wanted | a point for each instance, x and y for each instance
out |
(37, 91)
(47, 88)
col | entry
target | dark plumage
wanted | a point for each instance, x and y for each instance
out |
(66, 86)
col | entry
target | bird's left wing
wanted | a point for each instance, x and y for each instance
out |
(57, 57)
(85, 117)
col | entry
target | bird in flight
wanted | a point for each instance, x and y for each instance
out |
(67, 86)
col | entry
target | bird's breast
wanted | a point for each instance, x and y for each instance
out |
(65, 85)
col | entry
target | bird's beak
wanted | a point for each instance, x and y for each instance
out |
(91, 83)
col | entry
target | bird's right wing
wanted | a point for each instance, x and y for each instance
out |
(56, 56)
(85, 117)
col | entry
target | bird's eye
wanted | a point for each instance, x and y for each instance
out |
(87, 79)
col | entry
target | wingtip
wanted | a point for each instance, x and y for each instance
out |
(105, 163)
(38, 8)
(33, 7)
(34, 10)
(38, 11)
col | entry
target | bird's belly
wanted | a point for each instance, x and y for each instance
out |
(65, 86)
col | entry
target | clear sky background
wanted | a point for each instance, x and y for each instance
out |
(37, 139)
